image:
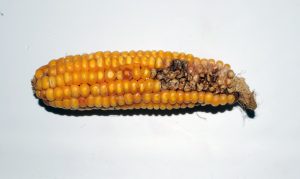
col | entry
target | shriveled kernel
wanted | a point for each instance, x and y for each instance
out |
(39, 73)
(38, 85)
(208, 98)
(50, 94)
(75, 91)
(230, 74)
(58, 93)
(95, 89)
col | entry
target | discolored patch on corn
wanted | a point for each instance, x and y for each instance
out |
(138, 80)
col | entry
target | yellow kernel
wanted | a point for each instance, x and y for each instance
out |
(84, 63)
(109, 75)
(142, 85)
(187, 97)
(156, 98)
(147, 97)
(159, 63)
(162, 106)
(201, 96)
(95, 89)
(137, 98)
(208, 98)
(92, 77)
(121, 100)
(74, 103)
(100, 63)
(119, 75)
(77, 64)
(52, 81)
(215, 100)
(66, 91)
(194, 97)
(113, 101)
(45, 82)
(68, 78)
(98, 101)
(100, 76)
(67, 103)
(136, 61)
(92, 65)
(39, 73)
(126, 86)
(165, 97)
(121, 61)
(60, 68)
(52, 71)
(76, 78)
(223, 99)
(50, 94)
(84, 90)
(149, 85)
(133, 86)
(136, 73)
(145, 73)
(156, 86)
(119, 87)
(84, 76)
(111, 87)
(180, 97)
(103, 89)
(114, 63)
(144, 62)
(52, 63)
(105, 102)
(230, 99)
(58, 93)
(38, 85)
(173, 97)
(128, 60)
(69, 66)
(60, 80)
(75, 91)
(128, 98)
(58, 104)
(151, 63)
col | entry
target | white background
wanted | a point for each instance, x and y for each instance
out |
(260, 39)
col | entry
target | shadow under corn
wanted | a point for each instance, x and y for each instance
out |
(206, 109)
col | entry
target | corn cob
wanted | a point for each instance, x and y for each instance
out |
(139, 80)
